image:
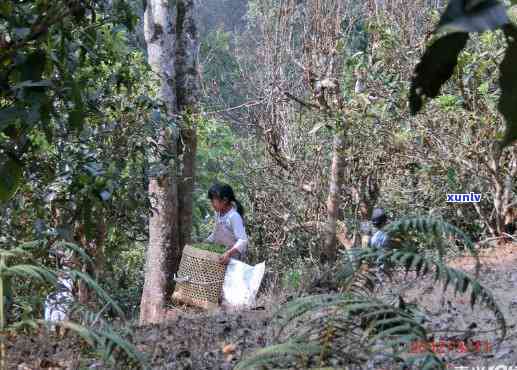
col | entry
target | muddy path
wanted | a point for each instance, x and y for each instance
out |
(194, 340)
(219, 339)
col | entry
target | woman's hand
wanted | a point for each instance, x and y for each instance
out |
(225, 258)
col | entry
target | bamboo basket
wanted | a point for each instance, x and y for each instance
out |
(200, 278)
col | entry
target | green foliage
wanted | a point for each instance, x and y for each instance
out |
(85, 165)
(357, 325)
(440, 59)
(216, 162)
(11, 175)
(210, 247)
(404, 228)
(269, 354)
(435, 67)
(221, 72)
(460, 281)
(45, 47)
(507, 80)
(448, 102)
(126, 275)
(104, 340)
(292, 278)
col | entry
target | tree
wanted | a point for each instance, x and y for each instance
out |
(67, 69)
(307, 40)
(42, 44)
(171, 37)
(460, 20)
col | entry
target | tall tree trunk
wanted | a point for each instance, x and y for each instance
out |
(94, 248)
(333, 200)
(186, 182)
(172, 45)
(188, 90)
(508, 205)
(83, 292)
(98, 247)
(160, 36)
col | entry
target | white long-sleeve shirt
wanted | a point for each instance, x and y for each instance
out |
(234, 224)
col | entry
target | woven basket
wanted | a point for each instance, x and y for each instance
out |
(200, 278)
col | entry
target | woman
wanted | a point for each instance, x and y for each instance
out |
(229, 225)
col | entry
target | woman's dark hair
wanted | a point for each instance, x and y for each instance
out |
(225, 192)
(379, 217)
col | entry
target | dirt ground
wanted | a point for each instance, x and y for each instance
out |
(194, 340)
(454, 323)
(219, 339)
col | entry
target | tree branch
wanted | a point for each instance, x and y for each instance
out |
(301, 102)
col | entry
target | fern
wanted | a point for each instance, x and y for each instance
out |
(268, 355)
(363, 326)
(378, 321)
(460, 281)
(12, 253)
(103, 340)
(99, 335)
(97, 288)
(24, 271)
(432, 227)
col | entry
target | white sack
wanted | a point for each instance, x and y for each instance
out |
(241, 283)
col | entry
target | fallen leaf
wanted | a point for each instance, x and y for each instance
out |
(48, 364)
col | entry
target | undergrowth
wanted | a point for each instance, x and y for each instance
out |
(355, 325)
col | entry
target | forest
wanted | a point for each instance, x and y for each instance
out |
(359, 155)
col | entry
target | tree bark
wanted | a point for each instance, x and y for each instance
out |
(333, 199)
(160, 37)
(172, 45)
(188, 87)
(101, 233)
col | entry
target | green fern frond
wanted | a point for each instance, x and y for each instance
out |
(460, 280)
(353, 278)
(15, 252)
(267, 355)
(432, 226)
(23, 325)
(301, 306)
(97, 288)
(30, 271)
(88, 335)
(104, 341)
(362, 283)
(380, 322)
(115, 341)
(32, 246)
(428, 225)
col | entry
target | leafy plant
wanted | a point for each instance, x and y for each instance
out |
(437, 65)
(210, 247)
(352, 327)
(104, 340)
(44, 47)
(292, 278)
